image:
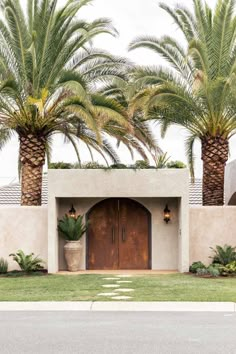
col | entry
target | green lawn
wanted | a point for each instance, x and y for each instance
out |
(174, 287)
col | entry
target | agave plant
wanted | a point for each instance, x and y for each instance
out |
(72, 228)
(162, 160)
(27, 263)
(223, 255)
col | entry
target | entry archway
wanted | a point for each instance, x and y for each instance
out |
(118, 236)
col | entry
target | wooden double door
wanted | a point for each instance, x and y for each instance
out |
(118, 235)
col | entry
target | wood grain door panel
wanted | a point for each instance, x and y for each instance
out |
(134, 235)
(103, 236)
(118, 235)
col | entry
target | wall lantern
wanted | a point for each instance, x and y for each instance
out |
(166, 214)
(72, 212)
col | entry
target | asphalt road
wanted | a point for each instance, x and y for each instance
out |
(117, 333)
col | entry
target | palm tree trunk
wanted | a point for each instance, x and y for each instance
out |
(215, 152)
(32, 158)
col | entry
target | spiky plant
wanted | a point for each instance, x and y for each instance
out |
(223, 255)
(27, 262)
(197, 91)
(162, 160)
(72, 228)
(3, 266)
(42, 90)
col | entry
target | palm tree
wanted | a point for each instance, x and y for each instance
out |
(42, 92)
(141, 138)
(107, 76)
(197, 91)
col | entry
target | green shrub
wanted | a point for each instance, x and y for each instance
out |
(60, 165)
(76, 166)
(202, 271)
(229, 269)
(176, 164)
(141, 164)
(223, 255)
(72, 229)
(3, 266)
(217, 266)
(118, 166)
(196, 265)
(27, 263)
(92, 165)
(213, 271)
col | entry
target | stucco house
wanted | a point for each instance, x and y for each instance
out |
(126, 212)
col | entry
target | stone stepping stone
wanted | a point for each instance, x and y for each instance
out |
(121, 297)
(111, 286)
(110, 278)
(106, 294)
(124, 290)
(124, 281)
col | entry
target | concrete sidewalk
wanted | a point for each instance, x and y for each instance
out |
(120, 306)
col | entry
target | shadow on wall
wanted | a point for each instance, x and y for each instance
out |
(232, 200)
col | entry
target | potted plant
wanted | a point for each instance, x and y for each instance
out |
(72, 229)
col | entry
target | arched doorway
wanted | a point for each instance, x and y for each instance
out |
(118, 236)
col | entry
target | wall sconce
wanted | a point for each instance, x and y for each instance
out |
(166, 214)
(72, 212)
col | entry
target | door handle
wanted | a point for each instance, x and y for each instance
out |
(123, 234)
(113, 234)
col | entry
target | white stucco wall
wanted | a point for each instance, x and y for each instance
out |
(210, 226)
(26, 228)
(23, 228)
(170, 249)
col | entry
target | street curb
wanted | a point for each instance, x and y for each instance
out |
(165, 306)
(120, 306)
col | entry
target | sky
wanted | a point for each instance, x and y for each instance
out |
(131, 18)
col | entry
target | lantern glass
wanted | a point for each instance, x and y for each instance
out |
(72, 212)
(166, 214)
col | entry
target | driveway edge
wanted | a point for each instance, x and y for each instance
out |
(120, 306)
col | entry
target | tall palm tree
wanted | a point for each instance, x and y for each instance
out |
(197, 90)
(41, 90)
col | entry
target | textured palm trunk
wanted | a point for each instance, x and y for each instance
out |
(32, 157)
(215, 152)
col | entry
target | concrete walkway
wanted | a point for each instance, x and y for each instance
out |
(132, 272)
(120, 306)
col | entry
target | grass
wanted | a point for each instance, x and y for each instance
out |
(173, 287)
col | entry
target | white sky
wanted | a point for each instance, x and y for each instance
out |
(132, 18)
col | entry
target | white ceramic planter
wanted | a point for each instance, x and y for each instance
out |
(73, 250)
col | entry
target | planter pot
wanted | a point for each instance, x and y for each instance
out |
(73, 250)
